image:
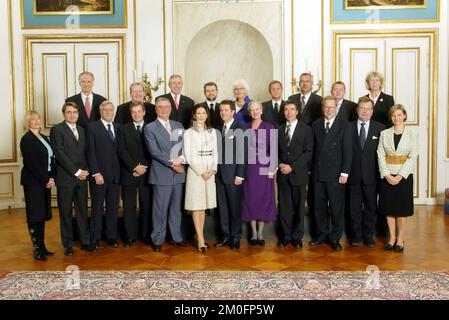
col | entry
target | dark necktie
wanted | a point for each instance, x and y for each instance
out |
(328, 127)
(276, 109)
(224, 130)
(211, 107)
(287, 135)
(110, 132)
(139, 129)
(362, 134)
(303, 103)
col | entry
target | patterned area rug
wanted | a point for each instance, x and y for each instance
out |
(224, 285)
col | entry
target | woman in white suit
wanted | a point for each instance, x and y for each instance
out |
(201, 153)
(397, 153)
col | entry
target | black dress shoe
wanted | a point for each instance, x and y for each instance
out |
(261, 242)
(112, 243)
(297, 244)
(129, 243)
(87, 248)
(156, 247)
(336, 246)
(223, 243)
(181, 244)
(234, 245)
(316, 242)
(68, 252)
(283, 243)
(254, 242)
(370, 243)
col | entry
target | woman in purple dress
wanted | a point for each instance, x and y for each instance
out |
(258, 190)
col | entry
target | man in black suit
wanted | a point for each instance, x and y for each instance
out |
(69, 145)
(295, 143)
(137, 92)
(182, 106)
(87, 101)
(230, 175)
(345, 108)
(364, 176)
(331, 166)
(104, 166)
(134, 164)
(308, 102)
(273, 110)
(211, 93)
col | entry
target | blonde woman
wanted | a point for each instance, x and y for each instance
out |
(37, 179)
(374, 82)
(397, 153)
(200, 150)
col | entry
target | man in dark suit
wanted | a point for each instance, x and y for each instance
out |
(211, 92)
(137, 92)
(331, 166)
(308, 102)
(230, 175)
(104, 166)
(273, 110)
(69, 145)
(364, 176)
(167, 174)
(134, 164)
(181, 106)
(345, 108)
(87, 101)
(295, 143)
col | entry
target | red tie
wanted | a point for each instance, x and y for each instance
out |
(88, 107)
(176, 102)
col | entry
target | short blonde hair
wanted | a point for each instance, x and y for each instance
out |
(374, 74)
(255, 104)
(106, 103)
(395, 108)
(28, 117)
(135, 84)
(242, 83)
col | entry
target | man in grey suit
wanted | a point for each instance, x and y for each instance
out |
(69, 145)
(163, 138)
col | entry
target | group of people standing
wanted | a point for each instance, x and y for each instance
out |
(231, 156)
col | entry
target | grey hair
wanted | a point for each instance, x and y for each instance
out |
(86, 73)
(242, 83)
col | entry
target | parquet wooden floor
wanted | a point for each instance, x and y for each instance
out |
(426, 249)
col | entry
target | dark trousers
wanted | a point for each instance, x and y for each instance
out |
(70, 197)
(37, 234)
(108, 193)
(363, 206)
(291, 211)
(130, 193)
(230, 204)
(334, 194)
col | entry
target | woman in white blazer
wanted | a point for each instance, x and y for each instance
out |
(201, 152)
(397, 153)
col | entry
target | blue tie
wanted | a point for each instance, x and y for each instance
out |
(362, 134)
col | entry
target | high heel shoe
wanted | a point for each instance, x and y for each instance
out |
(389, 246)
(398, 248)
(202, 249)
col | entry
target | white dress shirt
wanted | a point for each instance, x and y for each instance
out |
(91, 98)
(366, 128)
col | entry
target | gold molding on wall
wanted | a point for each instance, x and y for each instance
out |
(351, 66)
(102, 55)
(11, 194)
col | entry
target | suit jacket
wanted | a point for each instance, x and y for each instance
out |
(270, 116)
(83, 120)
(297, 154)
(364, 168)
(102, 152)
(70, 154)
(408, 146)
(184, 114)
(381, 109)
(214, 115)
(227, 172)
(312, 111)
(160, 146)
(347, 111)
(332, 153)
(132, 151)
(35, 161)
(123, 114)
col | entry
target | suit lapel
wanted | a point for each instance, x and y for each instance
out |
(332, 132)
(70, 132)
